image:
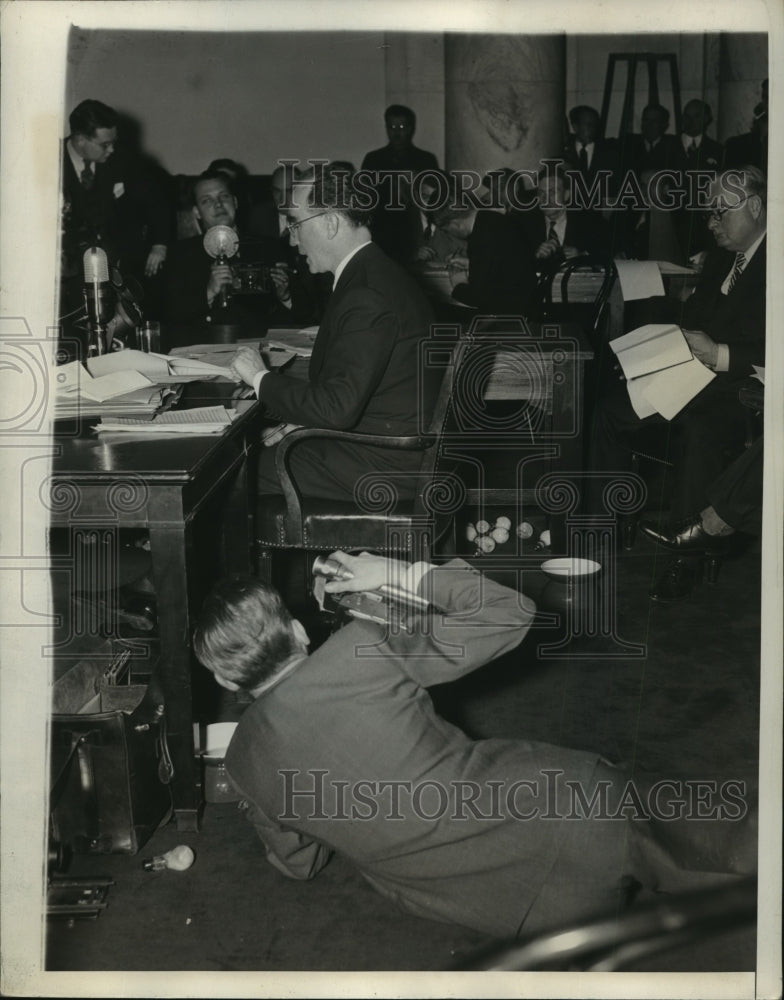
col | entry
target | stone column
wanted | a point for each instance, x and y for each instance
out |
(504, 100)
(743, 67)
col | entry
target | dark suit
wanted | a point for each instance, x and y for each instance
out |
(606, 158)
(714, 420)
(501, 269)
(185, 296)
(690, 224)
(126, 211)
(736, 495)
(586, 230)
(666, 154)
(746, 150)
(397, 230)
(346, 753)
(363, 376)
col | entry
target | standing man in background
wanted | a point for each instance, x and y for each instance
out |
(396, 219)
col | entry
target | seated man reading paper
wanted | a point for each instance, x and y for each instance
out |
(724, 323)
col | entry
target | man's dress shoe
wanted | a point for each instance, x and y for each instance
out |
(677, 581)
(686, 536)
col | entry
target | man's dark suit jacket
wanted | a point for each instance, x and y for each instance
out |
(708, 157)
(396, 230)
(187, 273)
(737, 319)
(501, 268)
(665, 155)
(585, 229)
(363, 376)
(746, 150)
(606, 156)
(126, 212)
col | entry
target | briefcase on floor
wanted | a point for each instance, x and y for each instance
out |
(109, 768)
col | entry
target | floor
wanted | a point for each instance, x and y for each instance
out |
(688, 705)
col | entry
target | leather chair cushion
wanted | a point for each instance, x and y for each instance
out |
(330, 524)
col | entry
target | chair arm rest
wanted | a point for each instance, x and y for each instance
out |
(289, 488)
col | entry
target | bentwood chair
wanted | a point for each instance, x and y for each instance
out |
(378, 518)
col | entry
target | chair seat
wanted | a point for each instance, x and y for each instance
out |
(331, 524)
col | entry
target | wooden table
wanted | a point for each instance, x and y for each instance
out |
(161, 484)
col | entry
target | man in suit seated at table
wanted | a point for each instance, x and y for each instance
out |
(344, 752)
(364, 370)
(724, 323)
(560, 231)
(199, 288)
(497, 276)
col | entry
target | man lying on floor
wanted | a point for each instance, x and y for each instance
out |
(343, 751)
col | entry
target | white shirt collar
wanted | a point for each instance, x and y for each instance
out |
(342, 265)
(79, 163)
(687, 140)
(276, 678)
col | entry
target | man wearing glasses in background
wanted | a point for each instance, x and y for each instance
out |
(364, 370)
(723, 321)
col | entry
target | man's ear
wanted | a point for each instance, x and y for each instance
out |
(332, 220)
(225, 683)
(300, 634)
(196, 213)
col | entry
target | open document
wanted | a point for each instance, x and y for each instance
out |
(662, 375)
(201, 420)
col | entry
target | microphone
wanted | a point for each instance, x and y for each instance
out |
(221, 242)
(98, 298)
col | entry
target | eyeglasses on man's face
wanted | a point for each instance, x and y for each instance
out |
(294, 226)
(717, 214)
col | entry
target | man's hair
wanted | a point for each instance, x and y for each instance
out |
(333, 188)
(752, 180)
(579, 110)
(244, 632)
(89, 116)
(227, 167)
(400, 111)
(659, 109)
(212, 175)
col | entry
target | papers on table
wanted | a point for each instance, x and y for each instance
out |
(640, 279)
(299, 341)
(221, 355)
(202, 420)
(662, 376)
(159, 368)
(142, 401)
(759, 373)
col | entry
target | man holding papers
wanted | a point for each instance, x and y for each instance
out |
(723, 323)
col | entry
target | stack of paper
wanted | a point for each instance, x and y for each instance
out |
(202, 420)
(299, 341)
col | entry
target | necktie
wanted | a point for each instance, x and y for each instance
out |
(737, 270)
(87, 177)
(583, 158)
(552, 235)
(691, 152)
